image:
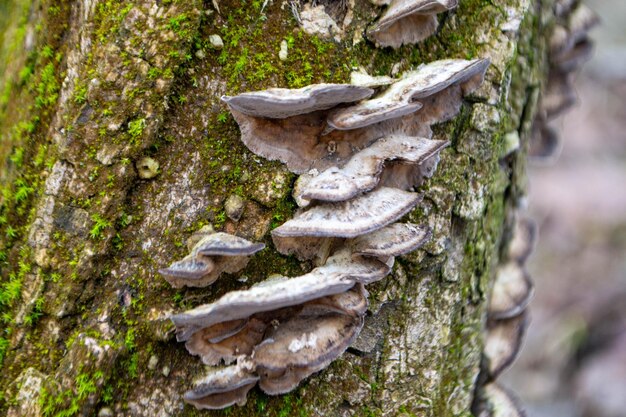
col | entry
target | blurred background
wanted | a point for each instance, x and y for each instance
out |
(573, 363)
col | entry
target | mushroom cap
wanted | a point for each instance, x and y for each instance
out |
(352, 302)
(220, 400)
(408, 21)
(305, 341)
(438, 75)
(512, 291)
(523, 240)
(361, 173)
(222, 388)
(225, 244)
(399, 9)
(546, 143)
(212, 254)
(393, 240)
(229, 348)
(573, 58)
(580, 21)
(223, 330)
(363, 214)
(338, 275)
(372, 111)
(409, 30)
(279, 103)
(496, 401)
(190, 271)
(284, 381)
(401, 97)
(559, 96)
(503, 343)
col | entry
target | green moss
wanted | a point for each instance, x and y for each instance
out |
(80, 94)
(100, 224)
(135, 128)
(68, 403)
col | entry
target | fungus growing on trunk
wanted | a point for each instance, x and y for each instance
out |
(358, 164)
(292, 343)
(570, 47)
(301, 346)
(402, 97)
(408, 21)
(362, 172)
(313, 140)
(222, 388)
(338, 275)
(512, 291)
(226, 347)
(211, 255)
(279, 103)
(496, 401)
(503, 342)
(523, 240)
(351, 218)
(393, 240)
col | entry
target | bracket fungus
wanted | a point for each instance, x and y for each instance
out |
(362, 172)
(320, 139)
(496, 401)
(569, 49)
(351, 218)
(301, 346)
(359, 165)
(211, 255)
(295, 342)
(506, 322)
(338, 275)
(222, 388)
(402, 97)
(280, 103)
(408, 21)
(394, 240)
(503, 342)
(512, 291)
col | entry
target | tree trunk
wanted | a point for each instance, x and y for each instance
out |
(116, 148)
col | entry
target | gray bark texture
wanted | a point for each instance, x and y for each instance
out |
(115, 148)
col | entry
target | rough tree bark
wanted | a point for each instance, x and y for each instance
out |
(115, 147)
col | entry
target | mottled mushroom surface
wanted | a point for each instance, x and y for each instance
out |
(351, 218)
(362, 172)
(279, 103)
(408, 21)
(338, 275)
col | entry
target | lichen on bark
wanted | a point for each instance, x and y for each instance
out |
(102, 84)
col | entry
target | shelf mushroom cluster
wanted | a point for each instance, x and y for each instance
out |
(360, 157)
(407, 21)
(210, 255)
(279, 331)
(506, 324)
(569, 48)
